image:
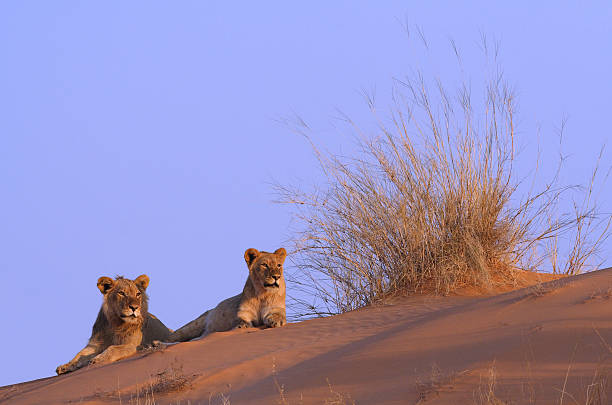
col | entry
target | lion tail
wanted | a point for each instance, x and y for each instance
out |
(190, 331)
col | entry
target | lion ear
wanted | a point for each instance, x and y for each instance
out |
(105, 284)
(250, 255)
(281, 252)
(142, 281)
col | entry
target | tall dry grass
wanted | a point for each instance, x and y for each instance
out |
(432, 202)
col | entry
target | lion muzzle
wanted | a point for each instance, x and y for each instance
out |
(272, 282)
(131, 314)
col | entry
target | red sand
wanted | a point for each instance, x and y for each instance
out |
(548, 343)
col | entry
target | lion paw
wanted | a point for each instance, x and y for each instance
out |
(244, 324)
(65, 368)
(97, 360)
(275, 321)
(154, 346)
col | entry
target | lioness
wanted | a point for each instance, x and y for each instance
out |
(122, 325)
(262, 302)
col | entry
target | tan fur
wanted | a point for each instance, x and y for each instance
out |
(123, 324)
(261, 303)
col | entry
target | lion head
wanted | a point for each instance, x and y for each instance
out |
(125, 301)
(266, 269)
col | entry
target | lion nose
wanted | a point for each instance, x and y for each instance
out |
(275, 277)
(133, 308)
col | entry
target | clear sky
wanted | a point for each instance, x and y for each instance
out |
(141, 137)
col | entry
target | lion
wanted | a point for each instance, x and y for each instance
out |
(123, 324)
(261, 303)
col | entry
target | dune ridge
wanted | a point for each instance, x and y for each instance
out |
(549, 342)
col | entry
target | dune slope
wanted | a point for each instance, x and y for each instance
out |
(547, 343)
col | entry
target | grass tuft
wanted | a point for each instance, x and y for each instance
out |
(486, 394)
(171, 379)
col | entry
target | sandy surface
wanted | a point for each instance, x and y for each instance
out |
(543, 344)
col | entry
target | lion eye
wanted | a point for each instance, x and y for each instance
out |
(278, 265)
(121, 293)
(138, 294)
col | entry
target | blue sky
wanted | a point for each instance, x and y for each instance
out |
(141, 137)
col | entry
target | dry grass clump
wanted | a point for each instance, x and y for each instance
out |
(596, 393)
(432, 203)
(486, 394)
(540, 290)
(437, 382)
(592, 391)
(335, 397)
(601, 294)
(171, 379)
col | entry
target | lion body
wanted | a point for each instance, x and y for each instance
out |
(123, 324)
(261, 303)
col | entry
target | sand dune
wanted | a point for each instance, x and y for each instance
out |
(546, 343)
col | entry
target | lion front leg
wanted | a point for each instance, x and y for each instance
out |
(275, 319)
(246, 317)
(81, 359)
(114, 353)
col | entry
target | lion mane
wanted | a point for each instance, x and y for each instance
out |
(122, 326)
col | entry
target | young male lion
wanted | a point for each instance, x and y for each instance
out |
(261, 303)
(122, 325)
